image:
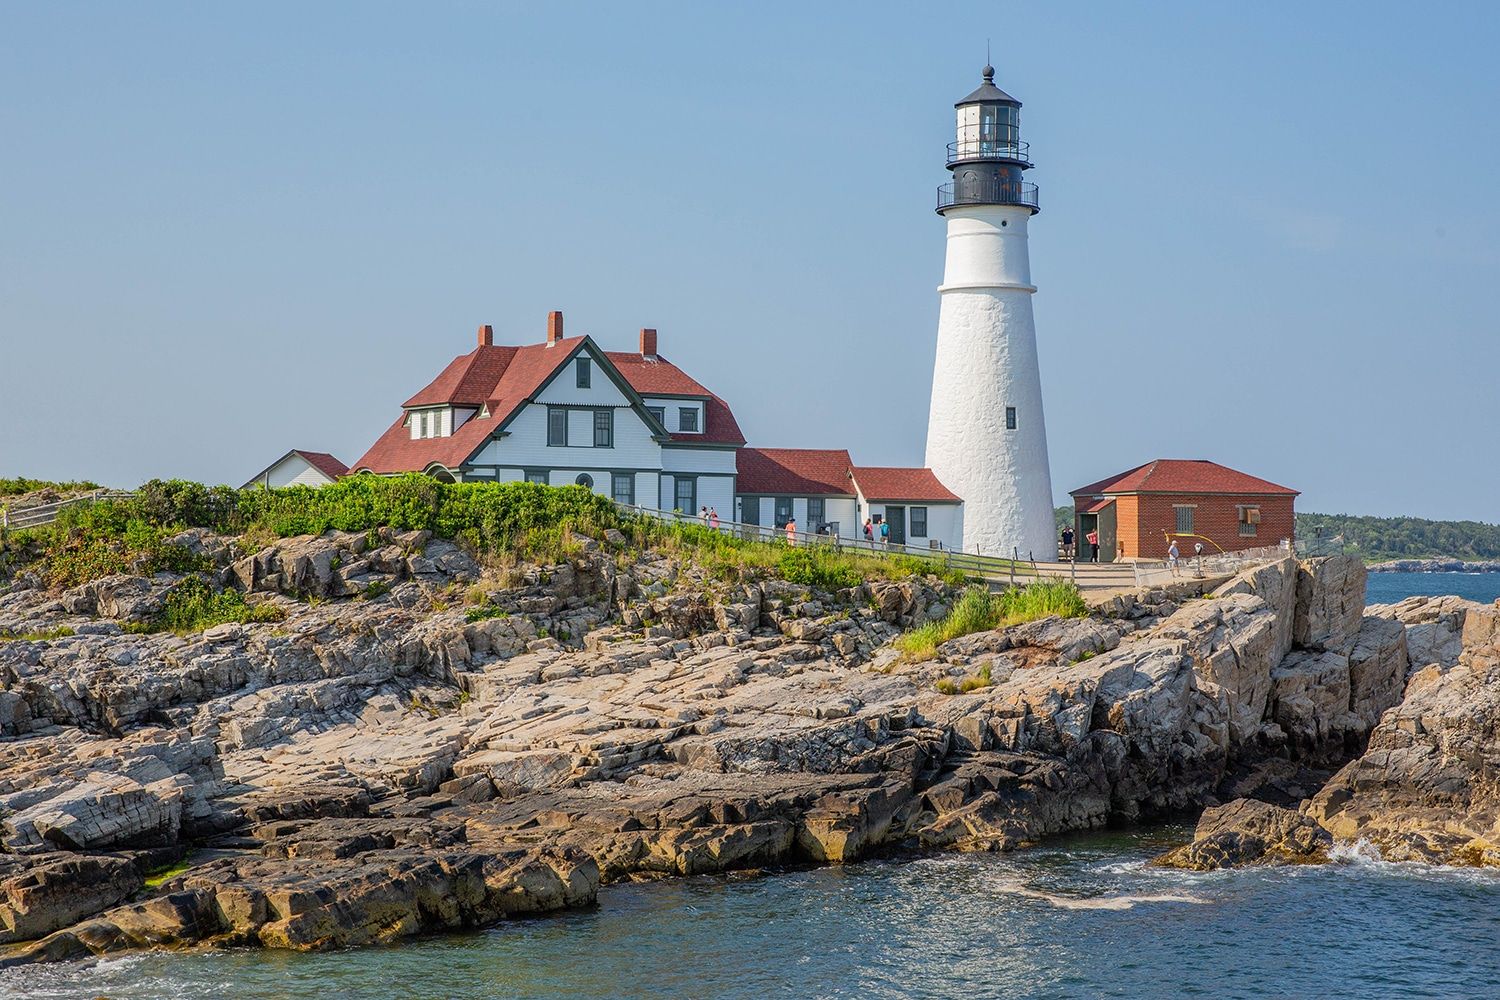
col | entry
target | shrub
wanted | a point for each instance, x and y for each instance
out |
(19, 485)
(193, 606)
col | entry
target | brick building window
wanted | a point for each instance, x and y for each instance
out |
(1184, 518)
(1249, 520)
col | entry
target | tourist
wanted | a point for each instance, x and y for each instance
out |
(1172, 556)
(703, 514)
(791, 531)
(713, 518)
(1067, 542)
(869, 532)
(1093, 539)
(885, 533)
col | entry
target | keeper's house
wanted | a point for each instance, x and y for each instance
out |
(635, 427)
(1138, 512)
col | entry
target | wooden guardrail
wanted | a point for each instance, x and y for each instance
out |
(40, 515)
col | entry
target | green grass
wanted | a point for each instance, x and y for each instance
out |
(161, 875)
(193, 606)
(481, 612)
(979, 610)
(38, 635)
(729, 557)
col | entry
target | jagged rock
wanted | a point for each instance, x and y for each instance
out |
(1434, 627)
(383, 766)
(1249, 832)
(1426, 788)
(1377, 669)
(42, 893)
(1330, 602)
(1310, 700)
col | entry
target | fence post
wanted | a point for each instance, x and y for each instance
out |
(1015, 554)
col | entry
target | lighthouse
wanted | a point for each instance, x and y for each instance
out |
(986, 438)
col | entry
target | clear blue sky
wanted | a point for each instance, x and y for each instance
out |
(1269, 233)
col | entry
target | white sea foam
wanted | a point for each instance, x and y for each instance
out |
(1123, 902)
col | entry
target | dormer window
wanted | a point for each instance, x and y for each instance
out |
(428, 423)
(687, 419)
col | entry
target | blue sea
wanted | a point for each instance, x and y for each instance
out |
(1388, 588)
(1081, 916)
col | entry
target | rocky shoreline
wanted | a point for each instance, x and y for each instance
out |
(402, 754)
(1436, 566)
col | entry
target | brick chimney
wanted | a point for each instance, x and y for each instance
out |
(648, 343)
(486, 336)
(554, 327)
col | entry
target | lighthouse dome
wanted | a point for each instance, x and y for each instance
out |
(988, 93)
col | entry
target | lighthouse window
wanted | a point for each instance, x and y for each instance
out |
(1010, 418)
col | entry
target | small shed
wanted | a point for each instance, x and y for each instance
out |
(1138, 512)
(300, 468)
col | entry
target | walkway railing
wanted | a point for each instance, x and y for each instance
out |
(44, 514)
(996, 569)
(1204, 566)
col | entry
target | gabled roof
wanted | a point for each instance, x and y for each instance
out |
(656, 376)
(320, 460)
(884, 483)
(324, 463)
(801, 471)
(470, 378)
(1181, 475)
(504, 379)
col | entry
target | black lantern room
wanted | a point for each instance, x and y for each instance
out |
(987, 156)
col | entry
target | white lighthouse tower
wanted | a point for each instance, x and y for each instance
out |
(986, 439)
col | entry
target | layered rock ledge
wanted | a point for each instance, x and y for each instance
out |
(390, 760)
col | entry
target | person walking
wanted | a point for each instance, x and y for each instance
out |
(885, 533)
(713, 518)
(791, 531)
(1173, 556)
(1067, 542)
(1093, 539)
(869, 532)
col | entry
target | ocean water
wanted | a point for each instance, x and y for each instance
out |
(1387, 588)
(1081, 916)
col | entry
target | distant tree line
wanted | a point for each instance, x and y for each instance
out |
(1381, 538)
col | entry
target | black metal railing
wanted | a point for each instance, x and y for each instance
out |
(978, 148)
(989, 193)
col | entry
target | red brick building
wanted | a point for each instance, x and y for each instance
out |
(1138, 512)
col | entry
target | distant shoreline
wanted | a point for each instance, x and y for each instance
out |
(1435, 566)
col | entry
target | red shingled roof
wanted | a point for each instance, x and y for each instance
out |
(324, 463)
(901, 484)
(505, 378)
(802, 471)
(1180, 475)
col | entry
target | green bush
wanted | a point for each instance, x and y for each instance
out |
(193, 606)
(980, 610)
(19, 485)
